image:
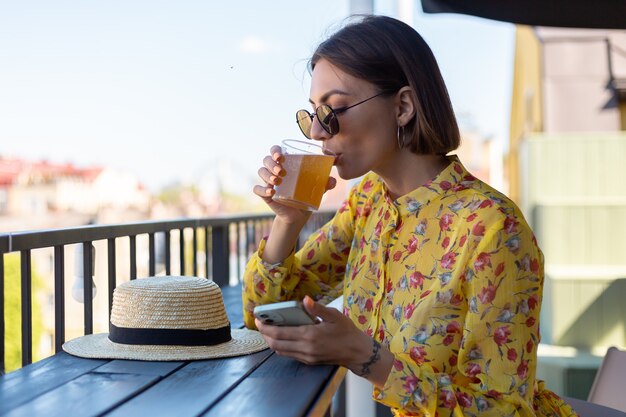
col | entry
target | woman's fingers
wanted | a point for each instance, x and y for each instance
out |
(294, 333)
(277, 154)
(332, 183)
(269, 177)
(264, 192)
(271, 173)
(273, 163)
(302, 349)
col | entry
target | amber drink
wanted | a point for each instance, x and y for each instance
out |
(307, 169)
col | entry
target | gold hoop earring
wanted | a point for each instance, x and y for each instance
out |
(400, 141)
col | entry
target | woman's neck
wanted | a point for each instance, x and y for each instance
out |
(408, 171)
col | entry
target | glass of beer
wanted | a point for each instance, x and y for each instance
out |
(307, 169)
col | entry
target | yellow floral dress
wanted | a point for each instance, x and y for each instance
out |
(448, 277)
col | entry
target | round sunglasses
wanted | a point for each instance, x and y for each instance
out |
(326, 115)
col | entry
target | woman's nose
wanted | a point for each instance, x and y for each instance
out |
(317, 131)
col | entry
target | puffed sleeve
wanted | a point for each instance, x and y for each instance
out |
(496, 361)
(317, 269)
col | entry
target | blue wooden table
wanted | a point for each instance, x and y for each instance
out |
(587, 409)
(261, 384)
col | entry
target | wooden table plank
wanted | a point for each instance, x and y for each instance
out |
(325, 398)
(24, 384)
(140, 367)
(234, 305)
(282, 387)
(587, 409)
(89, 395)
(193, 388)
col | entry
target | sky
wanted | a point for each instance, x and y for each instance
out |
(173, 90)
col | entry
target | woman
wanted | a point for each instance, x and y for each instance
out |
(441, 276)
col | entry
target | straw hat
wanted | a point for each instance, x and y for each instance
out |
(167, 319)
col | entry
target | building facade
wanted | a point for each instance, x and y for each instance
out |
(566, 152)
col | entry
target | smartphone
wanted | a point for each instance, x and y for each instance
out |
(286, 313)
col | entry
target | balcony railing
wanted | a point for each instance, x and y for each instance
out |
(220, 239)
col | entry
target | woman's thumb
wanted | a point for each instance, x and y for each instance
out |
(318, 310)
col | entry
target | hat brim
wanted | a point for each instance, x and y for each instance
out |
(98, 346)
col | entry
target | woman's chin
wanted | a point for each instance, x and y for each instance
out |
(346, 173)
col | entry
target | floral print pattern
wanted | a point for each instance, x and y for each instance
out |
(448, 277)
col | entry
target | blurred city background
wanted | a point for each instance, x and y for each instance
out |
(116, 112)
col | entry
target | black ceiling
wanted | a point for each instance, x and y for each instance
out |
(597, 14)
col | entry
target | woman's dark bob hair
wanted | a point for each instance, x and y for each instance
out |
(391, 54)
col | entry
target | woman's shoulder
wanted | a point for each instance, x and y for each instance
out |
(491, 203)
(459, 185)
(488, 212)
(472, 197)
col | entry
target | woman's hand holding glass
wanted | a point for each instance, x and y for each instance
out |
(272, 173)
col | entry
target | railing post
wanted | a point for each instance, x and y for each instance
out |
(207, 271)
(112, 270)
(194, 247)
(220, 252)
(59, 297)
(181, 244)
(151, 255)
(238, 249)
(168, 253)
(2, 344)
(88, 287)
(133, 257)
(248, 238)
(27, 308)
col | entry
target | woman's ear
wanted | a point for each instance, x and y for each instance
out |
(405, 106)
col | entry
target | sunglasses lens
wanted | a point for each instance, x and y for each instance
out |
(305, 120)
(328, 119)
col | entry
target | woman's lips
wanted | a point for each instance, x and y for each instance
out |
(331, 153)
